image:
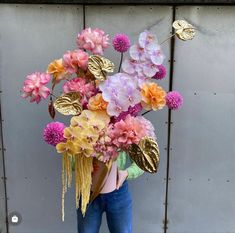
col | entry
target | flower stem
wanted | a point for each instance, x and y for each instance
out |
(168, 38)
(120, 63)
(146, 112)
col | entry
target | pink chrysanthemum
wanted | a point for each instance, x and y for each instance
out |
(54, 133)
(174, 100)
(121, 43)
(126, 132)
(133, 111)
(94, 40)
(161, 73)
(72, 60)
(34, 87)
(80, 85)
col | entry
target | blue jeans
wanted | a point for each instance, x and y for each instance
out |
(118, 208)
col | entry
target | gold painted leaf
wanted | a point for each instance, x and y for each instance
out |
(184, 30)
(100, 66)
(69, 104)
(146, 154)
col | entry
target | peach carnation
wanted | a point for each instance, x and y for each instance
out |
(56, 69)
(97, 103)
(153, 96)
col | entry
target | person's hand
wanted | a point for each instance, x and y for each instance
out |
(122, 175)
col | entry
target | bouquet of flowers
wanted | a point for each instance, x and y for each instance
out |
(105, 108)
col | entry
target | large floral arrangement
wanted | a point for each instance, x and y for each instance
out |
(106, 109)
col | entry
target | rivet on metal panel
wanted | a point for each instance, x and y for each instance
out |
(169, 178)
(165, 148)
(171, 122)
(190, 179)
(209, 179)
(166, 122)
(174, 60)
(169, 60)
(214, 93)
(4, 178)
(195, 93)
(170, 148)
(227, 180)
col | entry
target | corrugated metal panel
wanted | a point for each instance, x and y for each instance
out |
(32, 36)
(148, 191)
(201, 189)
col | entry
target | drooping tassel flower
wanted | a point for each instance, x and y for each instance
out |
(34, 87)
(161, 73)
(153, 96)
(94, 40)
(53, 133)
(121, 43)
(174, 100)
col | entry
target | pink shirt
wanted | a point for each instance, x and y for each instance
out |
(110, 179)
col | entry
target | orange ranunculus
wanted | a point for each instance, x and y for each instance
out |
(56, 68)
(97, 103)
(153, 96)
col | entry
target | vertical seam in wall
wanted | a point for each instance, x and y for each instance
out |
(171, 73)
(4, 168)
(84, 15)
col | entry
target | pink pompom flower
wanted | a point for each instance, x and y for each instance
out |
(94, 40)
(174, 100)
(34, 87)
(72, 60)
(121, 43)
(161, 73)
(54, 133)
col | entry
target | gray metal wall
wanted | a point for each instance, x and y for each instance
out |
(201, 189)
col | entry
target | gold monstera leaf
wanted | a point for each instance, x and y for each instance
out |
(100, 66)
(184, 30)
(146, 154)
(69, 104)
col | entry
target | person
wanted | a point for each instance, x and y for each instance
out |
(114, 199)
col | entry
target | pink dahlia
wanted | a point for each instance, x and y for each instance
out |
(34, 86)
(161, 73)
(126, 132)
(133, 111)
(94, 40)
(121, 43)
(72, 60)
(174, 100)
(54, 133)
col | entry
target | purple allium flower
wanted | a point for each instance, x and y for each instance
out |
(121, 43)
(133, 111)
(161, 73)
(174, 100)
(54, 133)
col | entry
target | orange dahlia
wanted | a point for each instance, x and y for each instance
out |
(153, 96)
(97, 103)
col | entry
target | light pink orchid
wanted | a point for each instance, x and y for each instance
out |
(94, 40)
(34, 87)
(120, 91)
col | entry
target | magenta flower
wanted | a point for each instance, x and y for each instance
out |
(161, 73)
(174, 100)
(54, 133)
(121, 43)
(34, 86)
(94, 40)
(72, 60)
(133, 111)
(120, 91)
